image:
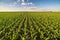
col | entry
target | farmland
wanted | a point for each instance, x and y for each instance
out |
(29, 25)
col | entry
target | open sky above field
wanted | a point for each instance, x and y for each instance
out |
(36, 5)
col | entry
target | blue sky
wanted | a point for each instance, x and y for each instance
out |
(30, 4)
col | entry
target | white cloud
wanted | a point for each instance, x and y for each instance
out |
(25, 6)
(27, 3)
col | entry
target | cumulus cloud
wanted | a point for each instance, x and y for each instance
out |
(28, 5)
(23, 5)
(23, 2)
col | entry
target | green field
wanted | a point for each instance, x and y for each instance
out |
(29, 25)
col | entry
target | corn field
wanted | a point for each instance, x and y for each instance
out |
(29, 26)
